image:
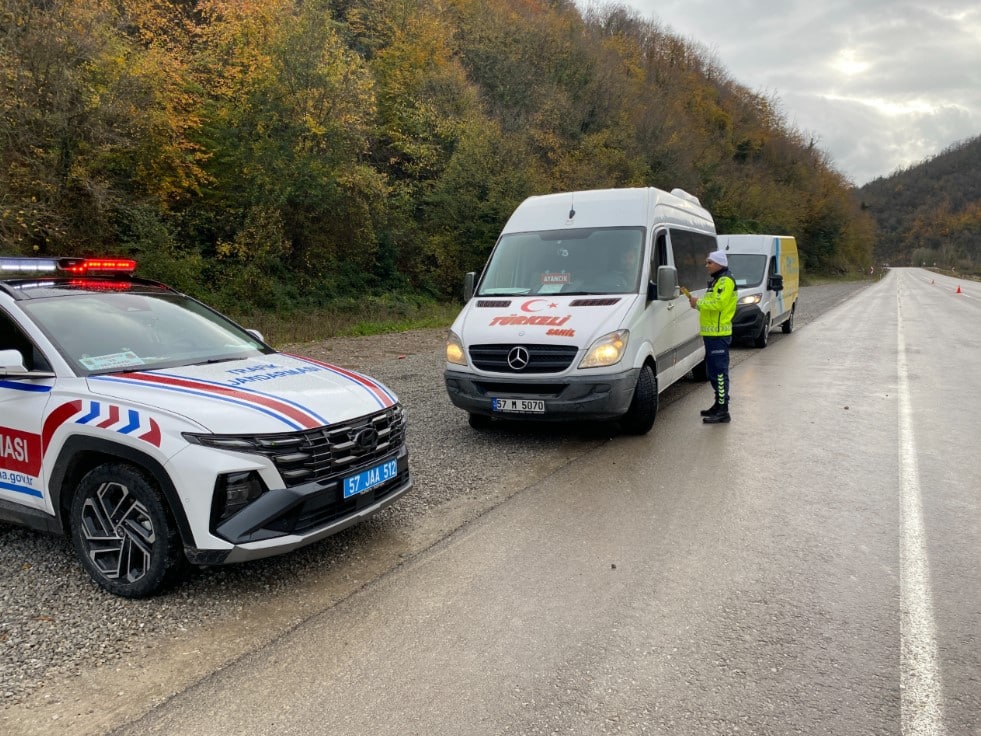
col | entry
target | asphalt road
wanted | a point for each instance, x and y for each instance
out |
(811, 568)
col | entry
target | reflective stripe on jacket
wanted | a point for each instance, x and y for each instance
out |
(717, 306)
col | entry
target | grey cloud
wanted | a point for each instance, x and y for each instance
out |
(917, 53)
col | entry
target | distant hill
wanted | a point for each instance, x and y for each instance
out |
(930, 214)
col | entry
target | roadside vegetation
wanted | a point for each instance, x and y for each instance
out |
(350, 318)
(306, 162)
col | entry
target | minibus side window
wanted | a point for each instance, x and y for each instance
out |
(689, 258)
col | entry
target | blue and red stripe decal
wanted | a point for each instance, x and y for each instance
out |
(379, 393)
(290, 413)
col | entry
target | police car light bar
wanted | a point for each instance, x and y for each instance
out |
(75, 266)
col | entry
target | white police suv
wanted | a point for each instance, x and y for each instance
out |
(156, 432)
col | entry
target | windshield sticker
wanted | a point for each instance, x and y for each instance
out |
(126, 359)
(553, 283)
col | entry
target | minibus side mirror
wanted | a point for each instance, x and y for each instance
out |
(469, 279)
(667, 283)
(775, 283)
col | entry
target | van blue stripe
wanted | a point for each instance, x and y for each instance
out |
(776, 247)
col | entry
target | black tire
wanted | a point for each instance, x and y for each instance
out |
(788, 325)
(643, 408)
(479, 421)
(123, 533)
(763, 339)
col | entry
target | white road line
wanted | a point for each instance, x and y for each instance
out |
(921, 691)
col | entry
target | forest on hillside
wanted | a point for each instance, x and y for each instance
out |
(930, 214)
(285, 153)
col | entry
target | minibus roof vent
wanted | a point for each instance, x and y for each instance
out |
(682, 194)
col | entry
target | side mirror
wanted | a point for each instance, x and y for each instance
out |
(667, 283)
(257, 335)
(469, 281)
(11, 361)
(12, 366)
(775, 282)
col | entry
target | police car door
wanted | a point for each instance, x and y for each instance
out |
(22, 406)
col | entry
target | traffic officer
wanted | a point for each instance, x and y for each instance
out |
(716, 309)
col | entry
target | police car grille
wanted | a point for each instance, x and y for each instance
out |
(541, 358)
(321, 454)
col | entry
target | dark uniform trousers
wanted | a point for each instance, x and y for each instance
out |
(717, 367)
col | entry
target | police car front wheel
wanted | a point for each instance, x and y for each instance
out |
(123, 533)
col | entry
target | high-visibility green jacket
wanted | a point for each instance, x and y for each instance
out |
(717, 306)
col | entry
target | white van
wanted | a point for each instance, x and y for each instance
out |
(767, 273)
(578, 312)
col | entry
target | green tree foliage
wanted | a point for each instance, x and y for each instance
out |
(94, 123)
(282, 154)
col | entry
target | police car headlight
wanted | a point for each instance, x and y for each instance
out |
(454, 350)
(752, 299)
(607, 350)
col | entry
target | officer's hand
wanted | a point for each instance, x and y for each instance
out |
(693, 300)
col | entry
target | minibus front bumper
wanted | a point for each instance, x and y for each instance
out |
(541, 398)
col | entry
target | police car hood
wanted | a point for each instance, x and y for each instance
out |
(266, 394)
(551, 319)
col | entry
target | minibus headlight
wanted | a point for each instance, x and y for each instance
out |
(607, 350)
(751, 299)
(454, 350)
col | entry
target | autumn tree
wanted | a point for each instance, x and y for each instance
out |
(94, 123)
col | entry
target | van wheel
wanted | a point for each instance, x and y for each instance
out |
(788, 326)
(479, 421)
(122, 532)
(763, 339)
(643, 408)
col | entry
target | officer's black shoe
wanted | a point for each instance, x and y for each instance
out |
(719, 417)
(714, 409)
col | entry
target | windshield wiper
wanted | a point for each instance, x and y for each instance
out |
(211, 361)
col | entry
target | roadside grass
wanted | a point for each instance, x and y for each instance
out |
(350, 318)
(812, 279)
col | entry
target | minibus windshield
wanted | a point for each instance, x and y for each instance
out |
(574, 261)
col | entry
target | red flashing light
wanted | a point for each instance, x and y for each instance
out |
(76, 266)
(82, 266)
(94, 285)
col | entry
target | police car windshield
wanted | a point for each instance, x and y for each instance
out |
(747, 269)
(580, 261)
(110, 332)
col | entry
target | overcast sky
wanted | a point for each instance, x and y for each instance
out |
(879, 84)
